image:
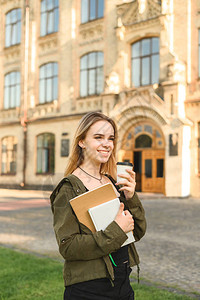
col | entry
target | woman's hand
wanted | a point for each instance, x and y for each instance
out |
(128, 184)
(124, 219)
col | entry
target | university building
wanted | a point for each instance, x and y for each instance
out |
(136, 61)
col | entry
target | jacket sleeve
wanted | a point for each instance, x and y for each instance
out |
(74, 244)
(135, 207)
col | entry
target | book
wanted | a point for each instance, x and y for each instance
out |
(83, 202)
(102, 215)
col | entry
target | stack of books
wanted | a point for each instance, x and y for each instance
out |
(97, 208)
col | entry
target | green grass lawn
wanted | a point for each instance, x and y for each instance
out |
(24, 277)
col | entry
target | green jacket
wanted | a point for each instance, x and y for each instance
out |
(86, 254)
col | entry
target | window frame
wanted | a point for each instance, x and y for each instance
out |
(14, 88)
(47, 14)
(98, 14)
(50, 150)
(13, 155)
(88, 71)
(53, 78)
(13, 25)
(141, 58)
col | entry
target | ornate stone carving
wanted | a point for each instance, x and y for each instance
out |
(112, 83)
(12, 53)
(139, 105)
(42, 110)
(16, 2)
(91, 30)
(48, 42)
(90, 103)
(176, 71)
(10, 115)
(138, 11)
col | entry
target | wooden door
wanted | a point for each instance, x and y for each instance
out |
(125, 155)
(153, 171)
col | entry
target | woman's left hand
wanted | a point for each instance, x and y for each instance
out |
(128, 184)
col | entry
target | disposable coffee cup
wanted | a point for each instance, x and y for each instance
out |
(121, 169)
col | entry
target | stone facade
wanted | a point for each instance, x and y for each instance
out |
(172, 105)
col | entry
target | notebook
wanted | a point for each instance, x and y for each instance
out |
(83, 202)
(102, 215)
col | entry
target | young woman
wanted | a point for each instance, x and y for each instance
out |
(96, 266)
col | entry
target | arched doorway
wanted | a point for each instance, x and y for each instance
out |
(144, 146)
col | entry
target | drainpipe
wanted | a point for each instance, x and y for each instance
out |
(25, 88)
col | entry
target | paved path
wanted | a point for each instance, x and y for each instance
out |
(169, 252)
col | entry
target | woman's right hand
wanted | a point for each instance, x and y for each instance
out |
(124, 219)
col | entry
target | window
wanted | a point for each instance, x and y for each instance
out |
(91, 10)
(160, 168)
(143, 141)
(145, 62)
(45, 153)
(13, 27)
(91, 74)
(9, 155)
(49, 17)
(12, 90)
(148, 168)
(48, 82)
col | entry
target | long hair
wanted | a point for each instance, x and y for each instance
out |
(76, 154)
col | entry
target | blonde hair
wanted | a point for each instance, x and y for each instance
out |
(76, 157)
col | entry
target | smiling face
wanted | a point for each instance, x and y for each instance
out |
(98, 143)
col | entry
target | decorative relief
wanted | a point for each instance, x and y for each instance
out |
(91, 30)
(88, 104)
(122, 8)
(139, 104)
(49, 42)
(10, 115)
(165, 6)
(176, 71)
(15, 2)
(43, 110)
(86, 42)
(112, 83)
(138, 11)
(137, 114)
(12, 53)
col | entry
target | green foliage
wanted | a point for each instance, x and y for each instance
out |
(24, 276)
(144, 292)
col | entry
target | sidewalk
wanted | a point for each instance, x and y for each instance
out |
(169, 252)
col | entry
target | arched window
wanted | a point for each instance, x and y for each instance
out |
(13, 27)
(12, 90)
(48, 82)
(143, 135)
(45, 153)
(91, 74)
(143, 141)
(145, 62)
(91, 10)
(49, 16)
(9, 155)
